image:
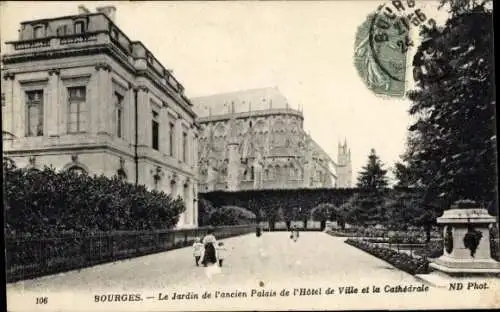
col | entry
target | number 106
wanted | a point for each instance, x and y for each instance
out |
(42, 300)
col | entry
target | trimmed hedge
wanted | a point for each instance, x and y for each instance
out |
(270, 201)
(389, 236)
(45, 203)
(399, 260)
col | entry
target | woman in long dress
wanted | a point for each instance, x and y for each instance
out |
(209, 256)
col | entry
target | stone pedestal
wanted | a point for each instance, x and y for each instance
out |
(466, 242)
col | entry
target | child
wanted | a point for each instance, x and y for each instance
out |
(221, 252)
(197, 247)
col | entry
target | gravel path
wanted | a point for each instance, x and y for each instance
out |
(271, 262)
(272, 258)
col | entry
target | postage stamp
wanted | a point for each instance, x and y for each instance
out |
(249, 155)
(383, 43)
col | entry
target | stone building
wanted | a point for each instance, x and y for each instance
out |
(78, 94)
(253, 140)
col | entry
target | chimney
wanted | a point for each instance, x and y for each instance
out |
(83, 10)
(109, 11)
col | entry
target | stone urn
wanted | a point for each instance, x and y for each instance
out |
(466, 240)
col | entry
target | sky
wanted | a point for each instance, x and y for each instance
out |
(303, 48)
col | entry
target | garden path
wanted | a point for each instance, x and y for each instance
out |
(272, 261)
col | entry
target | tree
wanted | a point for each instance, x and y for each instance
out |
(48, 203)
(367, 208)
(452, 143)
(404, 176)
(323, 212)
(373, 176)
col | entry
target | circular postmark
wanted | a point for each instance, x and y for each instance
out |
(382, 45)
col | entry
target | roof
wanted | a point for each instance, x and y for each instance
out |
(239, 102)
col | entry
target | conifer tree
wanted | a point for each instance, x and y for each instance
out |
(452, 144)
(367, 207)
(373, 176)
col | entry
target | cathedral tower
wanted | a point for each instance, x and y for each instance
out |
(344, 170)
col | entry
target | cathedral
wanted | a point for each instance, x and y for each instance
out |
(253, 140)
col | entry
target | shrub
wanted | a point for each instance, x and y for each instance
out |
(205, 209)
(432, 249)
(231, 215)
(399, 260)
(47, 203)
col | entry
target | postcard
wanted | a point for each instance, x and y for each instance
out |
(249, 155)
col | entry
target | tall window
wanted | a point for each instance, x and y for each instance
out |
(118, 99)
(77, 120)
(34, 113)
(155, 130)
(39, 32)
(79, 27)
(184, 147)
(171, 134)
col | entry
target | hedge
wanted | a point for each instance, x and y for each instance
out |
(399, 260)
(295, 204)
(389, 236)
(45, 203)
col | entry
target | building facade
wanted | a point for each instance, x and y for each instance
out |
(253, 140)
(78, 94)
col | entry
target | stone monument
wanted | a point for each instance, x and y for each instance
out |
(466, 241)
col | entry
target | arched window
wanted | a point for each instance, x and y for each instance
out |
(77, 170)
(79, 27)
(252, 172)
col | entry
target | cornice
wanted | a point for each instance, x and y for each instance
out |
(253, 114)
(171, 94)
(109, 49)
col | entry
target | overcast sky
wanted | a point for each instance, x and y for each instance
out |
(303, 48)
